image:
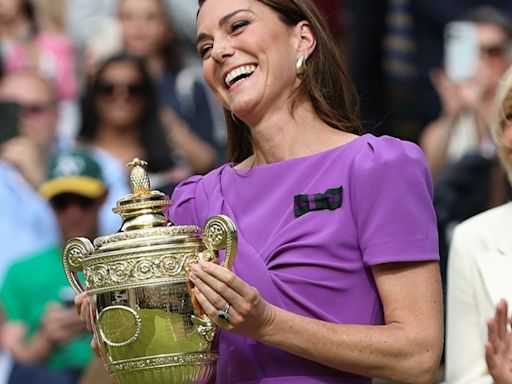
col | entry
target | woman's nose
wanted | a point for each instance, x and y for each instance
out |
(222, 50)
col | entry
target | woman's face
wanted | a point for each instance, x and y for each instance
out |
(249, 56)
(120, 95)
(494, 59)
(9, 10)
(144, 26)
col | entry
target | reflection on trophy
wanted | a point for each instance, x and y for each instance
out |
(149, 327)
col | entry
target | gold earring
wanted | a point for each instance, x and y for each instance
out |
(300, 65)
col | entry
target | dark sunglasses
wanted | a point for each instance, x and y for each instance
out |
(36, 109)
(493, 50)
(132, 89)
(62, 202)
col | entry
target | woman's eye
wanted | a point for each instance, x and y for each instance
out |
(204, 51)
(238, 25)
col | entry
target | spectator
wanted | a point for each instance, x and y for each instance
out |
(463, 124)
(148, 32)
(430, 18)
(121, 122)
(27, 46)
(27, 223)
(467, 175)
(42, 326)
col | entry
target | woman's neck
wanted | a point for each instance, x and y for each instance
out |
(124, 144)
(282, 136)
(156, 66)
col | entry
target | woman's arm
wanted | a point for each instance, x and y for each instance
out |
(199, 154)
(407, 348)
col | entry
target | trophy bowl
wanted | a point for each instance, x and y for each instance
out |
(148, 324)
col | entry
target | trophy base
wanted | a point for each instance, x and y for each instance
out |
(179, 368)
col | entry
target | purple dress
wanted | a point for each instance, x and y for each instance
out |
(370, 202)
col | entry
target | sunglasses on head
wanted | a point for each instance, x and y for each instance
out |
(62, 202)
(108, 89)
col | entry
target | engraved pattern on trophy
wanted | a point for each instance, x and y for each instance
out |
(148, 329)
(144, 267)
(187, 230)
(115, 334)
(220, 232)
(74, 254)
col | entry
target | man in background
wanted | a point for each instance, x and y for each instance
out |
(26, 222)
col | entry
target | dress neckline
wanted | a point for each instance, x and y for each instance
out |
(278, 164)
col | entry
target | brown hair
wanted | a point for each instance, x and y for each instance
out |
(325, 80)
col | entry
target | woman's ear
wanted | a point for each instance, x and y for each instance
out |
(307, 39)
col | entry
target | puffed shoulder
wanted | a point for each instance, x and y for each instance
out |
(182, 210)
(390, 155)
(190, 199)
(392, 200)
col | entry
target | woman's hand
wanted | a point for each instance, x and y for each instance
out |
(216, 286)
(83, 306)
(456, 96)
(498, 348)
(448, 93)
(24, 154)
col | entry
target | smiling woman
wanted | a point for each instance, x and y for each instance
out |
(336, 277)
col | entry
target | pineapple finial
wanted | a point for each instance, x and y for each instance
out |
(139, 180)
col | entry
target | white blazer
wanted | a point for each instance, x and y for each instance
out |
(479, 275)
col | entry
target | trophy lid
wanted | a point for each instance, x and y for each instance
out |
(143, 208)
(144, 220)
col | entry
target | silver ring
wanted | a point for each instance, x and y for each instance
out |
(223, 313)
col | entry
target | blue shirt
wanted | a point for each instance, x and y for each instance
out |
(27, 222)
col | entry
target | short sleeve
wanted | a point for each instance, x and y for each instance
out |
(183, 209)
(392, 204)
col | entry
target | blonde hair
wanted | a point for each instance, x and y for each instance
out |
(502, 107)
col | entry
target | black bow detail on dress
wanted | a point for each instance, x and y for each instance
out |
(330, 199)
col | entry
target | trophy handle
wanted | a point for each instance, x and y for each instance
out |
(75, 251)
(220, 232)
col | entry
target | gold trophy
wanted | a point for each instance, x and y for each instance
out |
(148, 324)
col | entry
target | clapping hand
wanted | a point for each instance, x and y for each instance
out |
(498, 348)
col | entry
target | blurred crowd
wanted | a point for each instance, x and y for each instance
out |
(88, 85)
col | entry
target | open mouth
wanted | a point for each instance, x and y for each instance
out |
(239, 74)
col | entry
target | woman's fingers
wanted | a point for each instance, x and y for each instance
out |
(501, 319)
(213, 312)
(79, 299)
(83, 307)
(95, 346)
(220, 278)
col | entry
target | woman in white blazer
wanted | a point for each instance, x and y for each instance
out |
(480, 265)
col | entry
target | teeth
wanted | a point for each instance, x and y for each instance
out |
(243, 70)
